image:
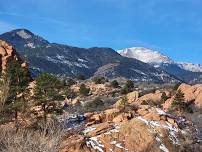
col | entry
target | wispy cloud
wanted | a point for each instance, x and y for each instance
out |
(6, 26)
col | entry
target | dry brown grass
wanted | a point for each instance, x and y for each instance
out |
(47, 139)
(4, 93)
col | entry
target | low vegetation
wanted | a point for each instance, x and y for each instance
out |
(180, 104)
(83, 90)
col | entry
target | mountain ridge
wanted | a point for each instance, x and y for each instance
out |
(65, 60)
(188, 72)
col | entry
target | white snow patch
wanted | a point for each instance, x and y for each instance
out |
(23, 34)
(81, 60)
(163, 148)
(138, 71)
(30, 45)
(89, 129)
(95, 144)
(160, 112)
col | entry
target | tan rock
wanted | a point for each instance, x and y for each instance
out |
(188, 91)
(152, 97)
(170, 120)
(132, 96)
(152, 116)
(142, 112)
(2, 51)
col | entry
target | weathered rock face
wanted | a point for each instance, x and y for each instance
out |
(192, 93)
(8, 53)
(152, 97)
(154, 131)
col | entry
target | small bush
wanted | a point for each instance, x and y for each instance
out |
(129, 84)
(70, 94)
(99, 80)
(115, 84)
(96, 105)
(84, 90)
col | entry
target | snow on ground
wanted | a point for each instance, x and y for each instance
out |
(89, 129)
(95, 144)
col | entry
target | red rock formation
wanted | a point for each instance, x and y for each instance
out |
(8, 53)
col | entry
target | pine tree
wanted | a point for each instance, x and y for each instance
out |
(164, 97)
(179, 100)
(18, 79)
(47, 91)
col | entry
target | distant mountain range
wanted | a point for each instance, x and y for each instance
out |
(71, 61)
(187, 72)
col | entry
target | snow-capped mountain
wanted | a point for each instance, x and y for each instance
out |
(145, 55)
(188, 72)
(190, 66)
(73, 61)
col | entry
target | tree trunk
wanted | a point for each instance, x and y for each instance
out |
(16, 121)
(44, 112)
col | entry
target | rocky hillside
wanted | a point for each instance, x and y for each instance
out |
(73, 61)
(139, 127)
(187, 72)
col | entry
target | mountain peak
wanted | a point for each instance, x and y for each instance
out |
(145, 55)
(24, 34)
(24, 37)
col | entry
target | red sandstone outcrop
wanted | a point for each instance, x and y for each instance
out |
(8, 53)
(155, 131)
(192, 94)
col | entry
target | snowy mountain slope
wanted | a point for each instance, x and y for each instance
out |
(145, 55)
(188, 72)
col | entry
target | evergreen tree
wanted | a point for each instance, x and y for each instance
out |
(17, 79)
(115, 84)
(47, 91)
(164, 97)
(180, 104)
(129, 85)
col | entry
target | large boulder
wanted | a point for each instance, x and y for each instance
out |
(137, 134)
(192, 93)
(152, 97)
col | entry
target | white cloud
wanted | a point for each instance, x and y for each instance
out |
(4, 26)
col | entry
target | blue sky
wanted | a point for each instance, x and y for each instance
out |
(174, 27)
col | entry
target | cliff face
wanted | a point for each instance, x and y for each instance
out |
(7, 54)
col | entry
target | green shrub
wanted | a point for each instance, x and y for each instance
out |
(164, 97)
(99, 80)
(96, 105)
(129, 84)
(70, 94)
(84, 90)
(115, 84)
(180, 104)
